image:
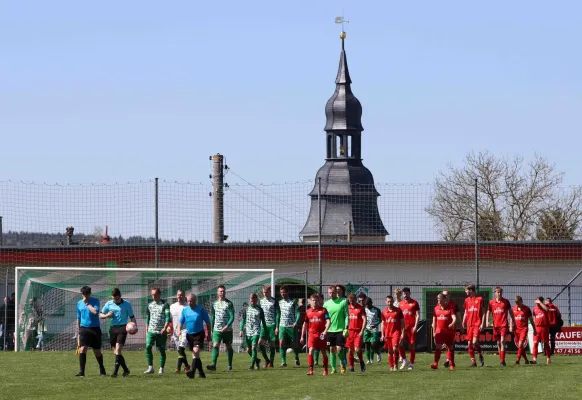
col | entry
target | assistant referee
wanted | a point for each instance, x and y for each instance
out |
(192, 319)
(89, 330)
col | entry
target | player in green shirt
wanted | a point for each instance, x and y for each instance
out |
(287, 323)
(372, 332)
(252, 323)
(221, 319)
(157, 320)
(337, 308)
(270, 307)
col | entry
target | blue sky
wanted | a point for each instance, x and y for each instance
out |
(128, 90)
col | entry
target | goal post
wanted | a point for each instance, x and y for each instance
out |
(46, 298)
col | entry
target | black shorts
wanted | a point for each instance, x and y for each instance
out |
(195, 340)
(90, 337)
(117, 334)
(336, 339)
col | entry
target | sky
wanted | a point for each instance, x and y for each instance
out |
(107, 92)
(124, 91)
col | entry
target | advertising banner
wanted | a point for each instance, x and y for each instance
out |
(569, 341)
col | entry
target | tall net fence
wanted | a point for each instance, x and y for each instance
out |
(382, 234)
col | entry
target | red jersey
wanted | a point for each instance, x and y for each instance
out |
(315, 319)
(521, 314)
(356, 314)
(391, 318)
(540, 317)
(500, 310)
(409, 309)
(444, 317)
(553, 314)
(473, 311)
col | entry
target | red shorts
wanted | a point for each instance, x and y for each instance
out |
(316, 343)
(354, 341)
(392, 341)
(444, 337)
(473, 331)
(543, 334)
(520, 335)
(499, 333)
(409, 336)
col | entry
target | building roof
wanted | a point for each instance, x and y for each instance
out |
(343, 110)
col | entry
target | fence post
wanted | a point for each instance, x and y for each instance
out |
(4, 328)
(319, 260)
(476, 237)
(156, 223)
(569, 307)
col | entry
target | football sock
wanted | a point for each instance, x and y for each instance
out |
(82, 362)
(197, 364)
(325, 361)
(116, 367)
(391, 359)
(402, 352)
(437, 355)
(351, 359)
(100, 361)
(479, 349)
(412, 355)
(344, 356)
(519, 351)
(396, 356)
(215, 353)
(183, 359)
(272, 358)
(316, 356)
(283, 354)
(179, 365)
(264, 352)
(534, 351)
(547, 349)
(149, 355)
(253, 356)
(162, 357)
(524, 354)
(122, 363)
(361, 355)
(502, 355)
(296, 351)
(230, 354)
(310, 360)
(471, 351)
(333, 360)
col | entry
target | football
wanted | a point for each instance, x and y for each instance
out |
(131, 328)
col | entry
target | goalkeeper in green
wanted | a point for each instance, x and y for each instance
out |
(221, 319)
(337, 307)
(157, 321)
(253, 318)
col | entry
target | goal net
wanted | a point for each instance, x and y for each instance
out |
(46, 298)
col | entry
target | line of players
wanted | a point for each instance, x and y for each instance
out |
(343, 325)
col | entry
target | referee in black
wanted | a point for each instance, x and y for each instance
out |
(89, 330)
(192, 319)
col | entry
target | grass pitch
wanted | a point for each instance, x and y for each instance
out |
(50, 375)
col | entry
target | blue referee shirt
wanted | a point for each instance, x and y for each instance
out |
(192, 319)
(88, 319)
(121, 312)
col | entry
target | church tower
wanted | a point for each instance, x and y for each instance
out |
(349, 200)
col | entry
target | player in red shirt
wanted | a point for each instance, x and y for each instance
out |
(444, 323)
(500, 309)
(411, 312)
(542, 324)
(473, 322)
(356, 327)
(317, 323)
(554, 318)
(392, 331)
(457, 312)
(522, 314)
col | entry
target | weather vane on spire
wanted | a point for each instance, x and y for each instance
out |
(342, 20)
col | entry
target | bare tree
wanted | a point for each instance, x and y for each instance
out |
(512, 198)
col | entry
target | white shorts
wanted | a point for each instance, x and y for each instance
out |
(180, 341)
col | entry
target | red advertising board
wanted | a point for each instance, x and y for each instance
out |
(569, 341)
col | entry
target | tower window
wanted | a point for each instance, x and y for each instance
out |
(340, 149)
(349, 145)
